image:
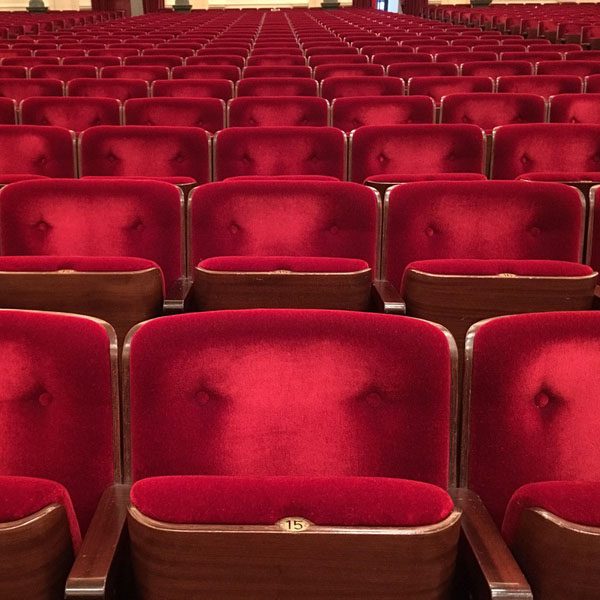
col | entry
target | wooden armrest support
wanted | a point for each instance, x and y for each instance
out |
(386, 298)
(94, 572)
(491, 570)
(176, 296)
(596, 301)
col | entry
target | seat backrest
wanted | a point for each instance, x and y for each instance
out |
(575, 108)
(222, 59)
(542, 85)
(277, 86)
(338, 87)
(91, 218)
(408, 70)
(121, 89)
(480, 219)
(279, 151)
(376, 150)
(144, 72)
(18, 89)
(497, 68)
(8, 113)
(348, 70)
(460, 57)
(269, 60)
(260, 111)
(580, 68)
(438, 87)
(230, 72)
(337, 59)
(194, 88)
(62, 72)
(377, 400)
(161, 61)
(278, 71)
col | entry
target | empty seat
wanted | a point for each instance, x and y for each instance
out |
(542, 85)
(207, 72)
(592, 84)
(13, 72)
(120, 89)
(7, 111)
(277, 86)
(223, 60)
(337, 59)
(408, 70)
(162, 61)
(575, 108)
(145, 72)
(194, 88)
(532, 57)
(438, 87)
(279, 151)
(460, 57)
(269, 60)
(580, 68)
(323, 71)
(252, 111)
(338, 87)
(94, 61)
(497, 68)
(278, 71)
(18, 89)
(62, 72)
(388, 58)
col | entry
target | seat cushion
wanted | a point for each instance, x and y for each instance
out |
(561, 176)
(7, 178)
(283, 178)
(174, 180)
(297, 264)
(343, 501)
(410, 177)
(75, 263)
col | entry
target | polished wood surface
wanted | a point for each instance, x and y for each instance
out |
(177, 562)
(387, 299)
(218, 290)
(560, 559)
(120, 298)
(36, 555)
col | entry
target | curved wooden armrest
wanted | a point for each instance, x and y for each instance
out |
(94, 572)
(491, 570)
(387, 299)
(176, 296)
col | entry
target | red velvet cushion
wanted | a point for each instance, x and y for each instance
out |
(352, 70)
(7, 111)
(575, 108)
(338, 59)
(392, 149)
(145, 150)
(531, 147)
(268, 60)
(12, 177)
(230, 72)
(282, 178)
(164, 60)
(277, 86)
(178, 180)
(341, 501)
(543, 85)
(437, 87)
(21, 497)
(497, 68)
(283, 218)
(481, 219)
(279, 151)
(253, 111)
(534, 393)
(296, 264)
(412, 177)
(574, 501)
(559, 176)
(56, 403)
(121, 89)
(581, 68)
(411, 69)
(146, 72)
(18, 89)
(290, 392)
(126, 218)
(278, 71)
(230, 60)
(194, 88)
(75, 263)
(62, 72)
(338, 87)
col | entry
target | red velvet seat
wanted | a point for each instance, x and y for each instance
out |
(592, 84)
(532, 56)
(18, 89)
(376, 150)
(230, 72)
(438, 87)
(279, 151)
(220, 59)
(94, 61)
(497, 68)
(270, 60)
(542, 85)
(460, 57)
(7, 111)
(167, 61)
(575, 108)
(337, 59)
(408, 70)
(62, 72)
(338, 87)
(145, 72)
(278, 71)
(13, 72)
(580, 68)
(120, 89)
(348, 70)
(194, 88)
(253, 111)
(277, 86)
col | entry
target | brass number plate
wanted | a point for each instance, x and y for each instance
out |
(294, 524)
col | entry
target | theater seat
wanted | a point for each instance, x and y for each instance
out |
(262, 111)
(120, 89)
(277, 86)
(194, 88)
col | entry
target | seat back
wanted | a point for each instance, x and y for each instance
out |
(575, 108)
(18, 89)
(338, 87)
(277, 86)
(230, 72)
(438, 87)
(542, 85)
(253, 111)
(194, 88)
(120, 89)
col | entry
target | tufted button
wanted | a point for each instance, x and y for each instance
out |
(42, 226)
(450, 156)
(179, 158)
(525, 160)
(334, 229)
(245, 159)
(382, 158)
(233, 228)
(202, 398)
(541, 400)
(429, 231)
(43, 160)
(138, 225)
(535, 231)
(111, 158)
(374, 399)
(45, 399)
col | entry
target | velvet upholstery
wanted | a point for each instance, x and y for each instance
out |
(412, 177)
(561, 176)
(278, 71)
(353, 112)
(347, 70)
(223, 59)
(284, 218)
(580, 68)
(253, 111)
(408, 70)
(531, 147)
(111, 218)
(174, 180)
(533, 391)
(339, 87)
(385, 149)
(277, 86)
(542, 85)
(270, 60)
(282, 178)
(7, 111)
(481, 220)
(338, 59)
(531, 56)
(154, 151)
(230, 72)
(377, 402)
(72, 113)
(438, 87)
(333, 49)
(13, 177)
(207, 113)
(21, 497)
(145, 72)
(163, 61)
(8, 72)
(489, 110)
(194, 88)
(30, 61)
(387, 57)
(574, 501)
(120, 89)
(18, 89)
(336, 501)
(592, 84)
(62, 72)
(279, 151)
(295, 264)
(575, 108)
(458, 58)
(57, 405)
(497, 68)
(417, 57)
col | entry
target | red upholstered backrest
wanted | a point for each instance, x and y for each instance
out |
(564, 147)
(338, 59)
(96, 218)
(459, 57)
(543, 85)
(7, 111)
(62, 72)
(532, 413)
(480, 219)
(348, 70)
(277, 86)
(382, 149)
(17, 89)
(437, 87)
(13, 72)
(497, 68)
(73, 113)
(121, 89)
(207, 113)
(338, 87)
(36, 150)
(279, 151)
(490, 110)
(269, 60)
(282, 392)
(230, 72)
(145, 72)
(56, 403)
(424, 69)
(581, 68)
(151, 61)
(278, 71)
(592, 84)
(284, 218)
(194, 88)
(252, 111)
(145, 150)
(575, 108)
(223, 59)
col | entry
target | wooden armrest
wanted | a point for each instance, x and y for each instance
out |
(490, 569)
(596, 301)
(176, 296)
(386, 299)
(94, 572)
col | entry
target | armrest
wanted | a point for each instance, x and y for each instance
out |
(177, 295)
(94, 571)
(386, 298)
(596, 301)
(490, 569)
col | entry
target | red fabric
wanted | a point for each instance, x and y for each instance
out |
(13, 177)
(278, 71)
(438, 87)
(32, 150)
(574, 501)
(230, 72)
(8, 72)
(411, 177)
(491, 110)
(216, 60)
(497, 68)
(533, 389)
(296, 264)
(73, 113)
(417, 57)
(178, 180)
(318, 50)
(147, 151)
(263, 111)
(61, 72)
(121, 89)
(337, 59)
(271, 60)
(392, 149)
(194, 88)
(282, 178)
(30, 61)
(90, 264)
(18, 89)
(452, 56)
(513, 220)
(390, 57)
(337, 87)
(592, 84)
(542, 85)
(123, 217)
(345, 70)
(283, 218)
(279, 151)
(406, 70)
(564, 147)
(532, 56)
(575, 108)
(559, 176)
(147, 73)
(376, 403)
(338, 501)
(168, 51)
(56, 403)
(207, 113)
(277, 86)
(21, 497)
(580, 68)
(162, 61)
